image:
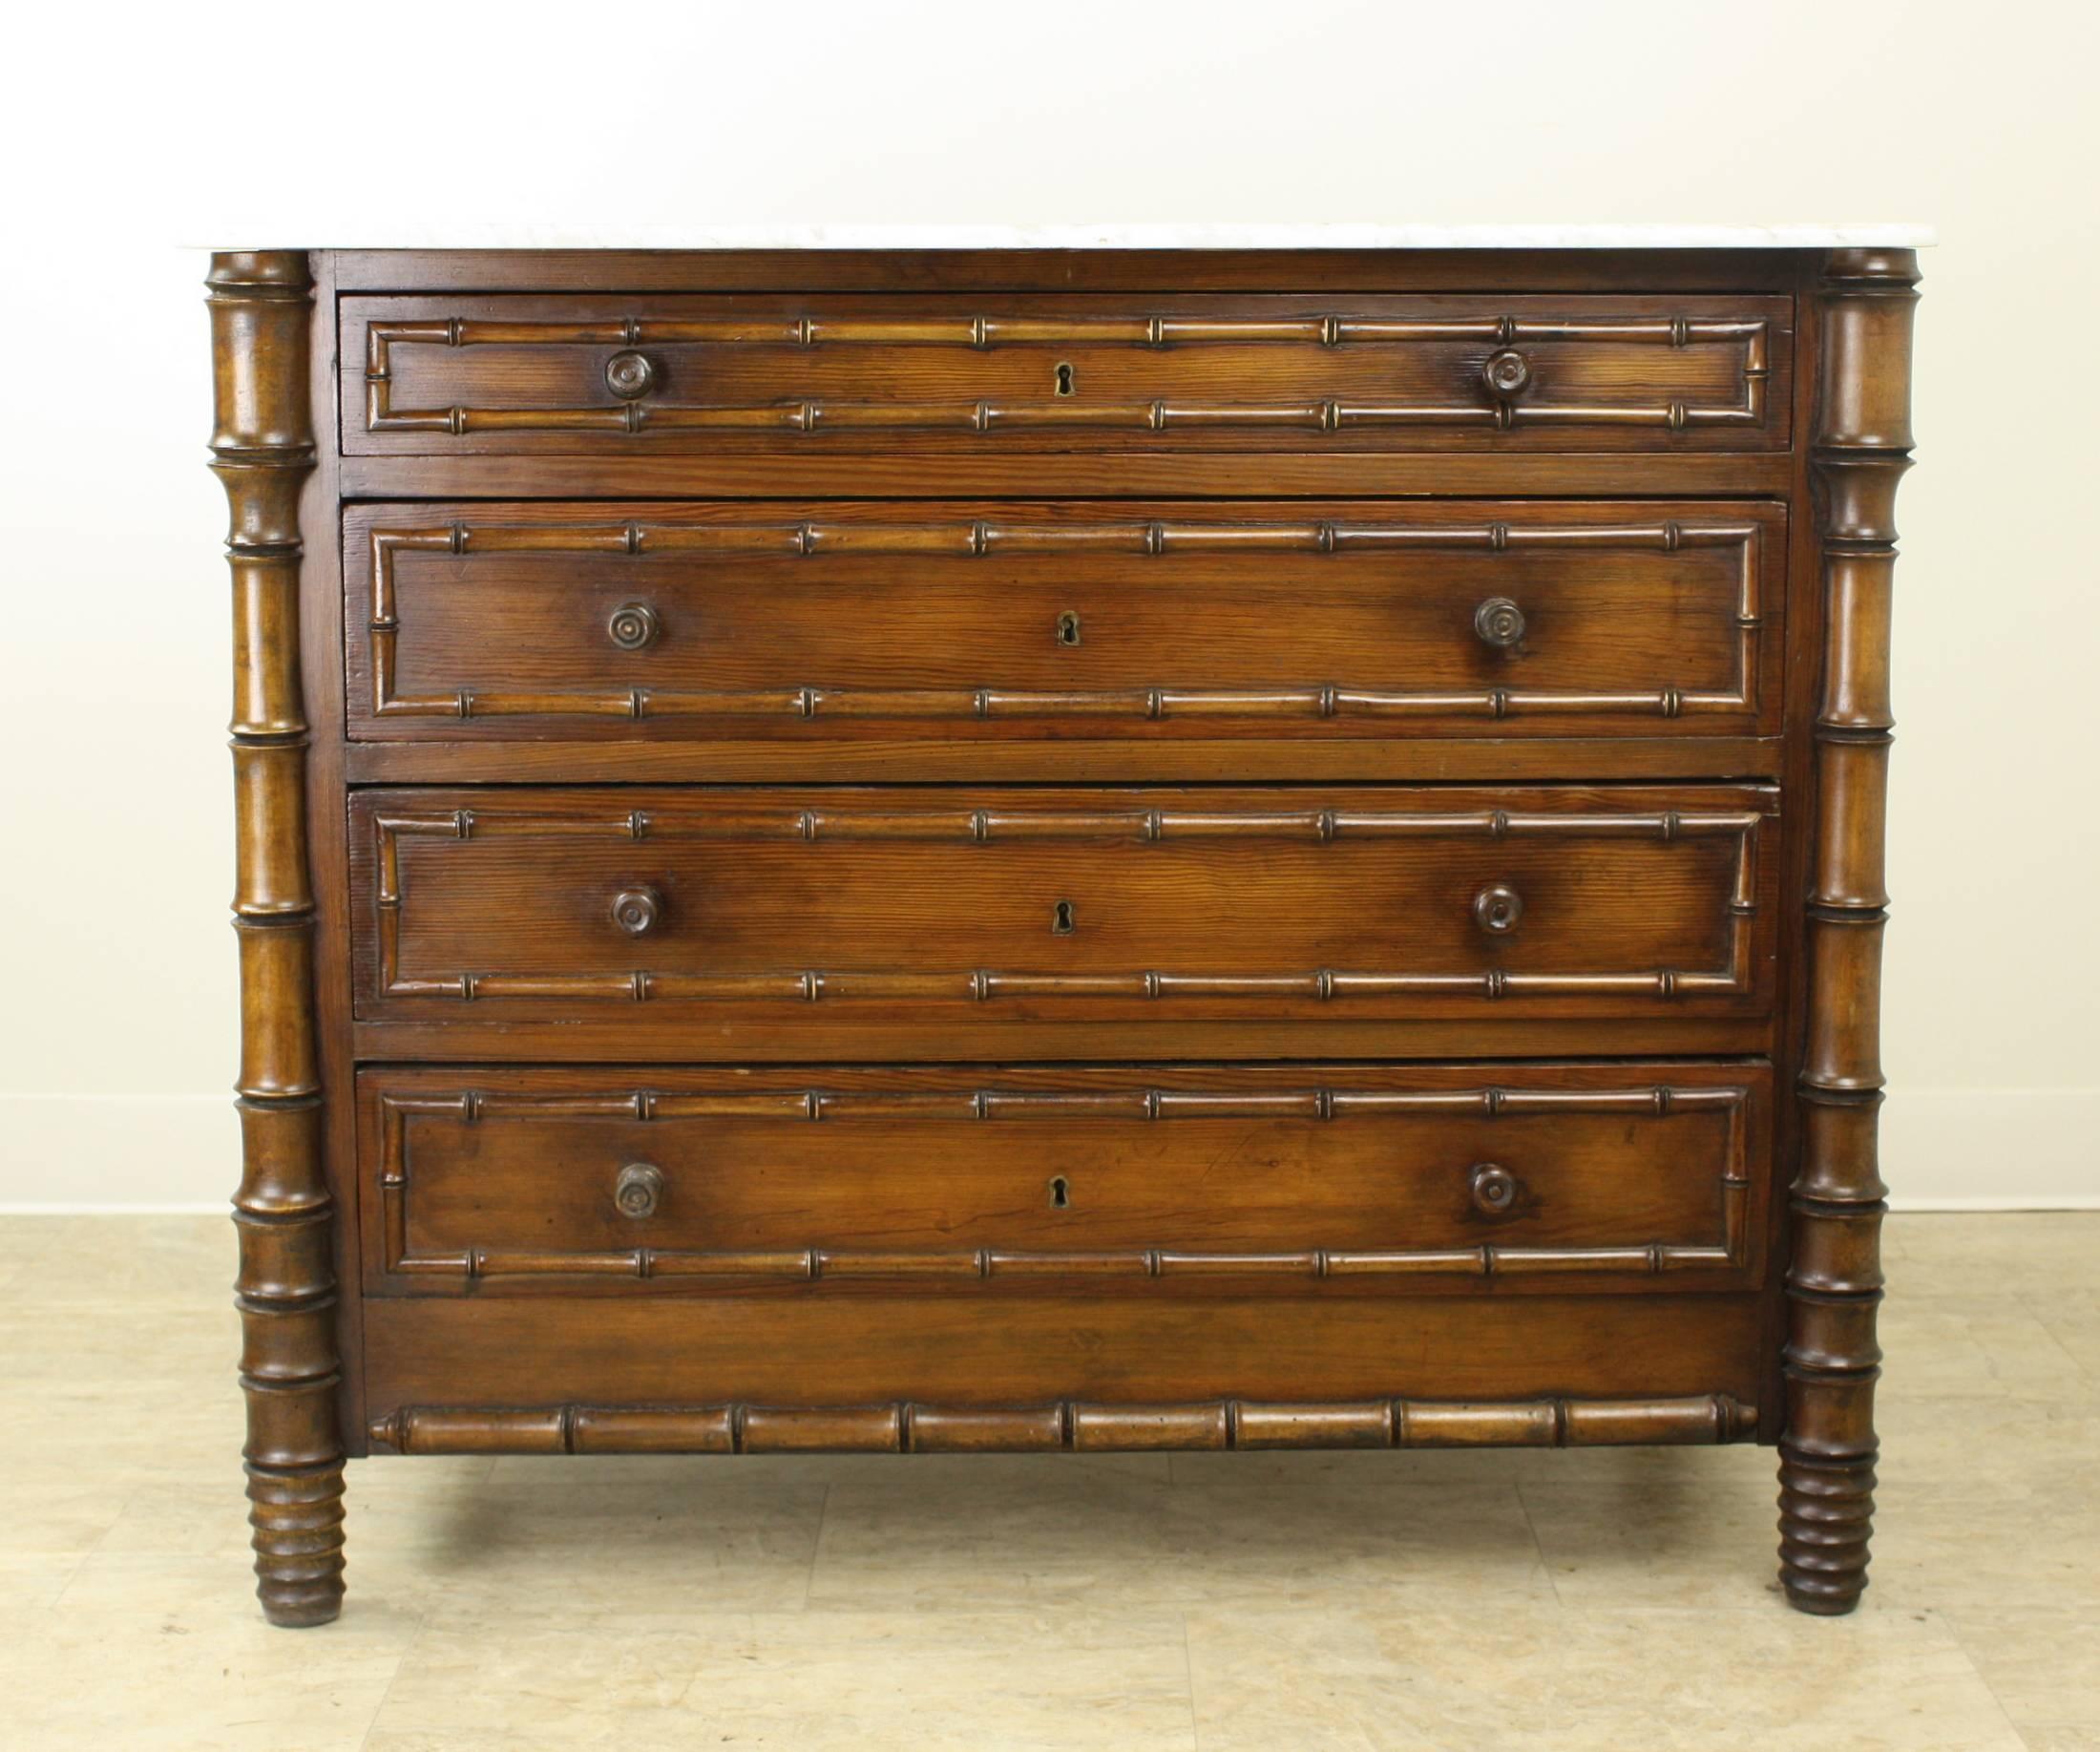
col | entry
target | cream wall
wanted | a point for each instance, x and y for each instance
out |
(295, 125)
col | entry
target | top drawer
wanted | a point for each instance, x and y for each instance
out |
(780, 375)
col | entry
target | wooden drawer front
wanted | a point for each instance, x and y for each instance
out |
(1367, 1176)
(1000, 622)
(908, 904)
(1298, 372)
(750, 1362)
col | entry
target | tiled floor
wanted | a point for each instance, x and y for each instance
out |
(1286, 1603)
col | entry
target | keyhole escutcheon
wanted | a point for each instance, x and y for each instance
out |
(1060, 1192)
(1064, 379)
(1062, 921)
(1068, 627)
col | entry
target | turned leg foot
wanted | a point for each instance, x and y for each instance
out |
(1826, 1519)
(1832, 1357)
(297, 1522)
(262, 313)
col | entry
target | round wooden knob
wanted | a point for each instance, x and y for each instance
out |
(1493, 1187)
(636, 910)
(1500, 623)
(1509, 374)
(630, 376)
(639, 1187)
(1497, 908)
(632, 626)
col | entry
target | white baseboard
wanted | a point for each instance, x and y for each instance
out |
(117, 1152)
(1942, 1150)
(1992, 1150)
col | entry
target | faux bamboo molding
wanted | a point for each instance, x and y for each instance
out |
(262, 449)
(1071, 1426)
(812, 1264)
(982, 332)
(977, 540)
(1827, 1450)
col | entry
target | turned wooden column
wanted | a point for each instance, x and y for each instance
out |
(262, 304)
(1834, 1285)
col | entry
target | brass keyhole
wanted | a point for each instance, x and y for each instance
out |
(1068, 627)
(1060, 1192)
(1064, 379)
(1063, 923)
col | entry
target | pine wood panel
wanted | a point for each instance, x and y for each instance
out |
(976, 624)
(1368, 1177)
(1553, 900)
(497, 374)
(804, 1347)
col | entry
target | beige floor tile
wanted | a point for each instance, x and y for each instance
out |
(1043, 1530)
(52, 1516)
(401, 1503)
(193, 1585)
(2072, 1318)
(127, 1431)
(2004, 1254)
(1961, 1345)
(1960, 1547)
(159, 1659)
(531, 1671)
(722, 1546)
(388, 1479)
(2003, 1442)
(1548, 1681)
(1671, 1540)
(183, 1518)
(2062, 1737)
(22, 1240)
(111, 1345)
(807, 1681)
(89, 1259)
(32, 1581)
(2042, 1662)
(838, 1682)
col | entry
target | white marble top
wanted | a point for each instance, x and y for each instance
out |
(1155, 237)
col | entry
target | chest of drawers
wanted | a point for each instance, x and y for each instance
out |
(950, 851)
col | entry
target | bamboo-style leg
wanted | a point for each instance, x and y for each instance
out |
(263, 450)
(1834, 1285)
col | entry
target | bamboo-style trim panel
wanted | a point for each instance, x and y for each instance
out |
(1828, 1450)
(1152, 1105)
(262, 306)
(1070, 1426)
(980, 827)
(977, 540)
(812, 1264)
(982, 332)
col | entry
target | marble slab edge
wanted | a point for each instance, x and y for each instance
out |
(1334, 237)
